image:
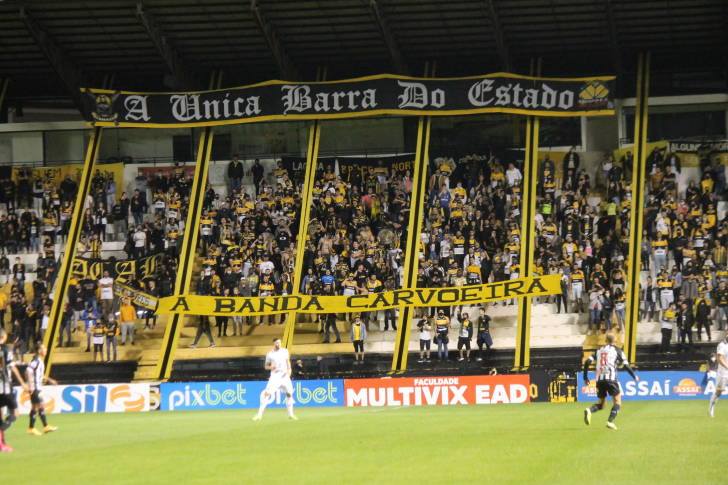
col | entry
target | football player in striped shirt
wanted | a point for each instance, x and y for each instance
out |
(607, 359)
(7, 396)
(35, 373)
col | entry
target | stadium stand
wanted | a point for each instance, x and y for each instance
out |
(114, 230)
(471, 234)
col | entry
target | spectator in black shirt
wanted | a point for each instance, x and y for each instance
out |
(257, 172)
(235, 172)
(89, 286)
(138, 207)
(298, 370)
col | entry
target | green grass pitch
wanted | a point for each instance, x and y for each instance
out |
(657, 442)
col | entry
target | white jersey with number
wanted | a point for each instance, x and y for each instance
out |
(278, 360)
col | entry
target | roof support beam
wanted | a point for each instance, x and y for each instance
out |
(491, 13)
(616, 53)
(70, 74)
(283, 62)
(177, 66)
(395, 55)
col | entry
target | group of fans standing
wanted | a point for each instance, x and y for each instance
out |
(106, 218)
(682, 228)
(358, 230)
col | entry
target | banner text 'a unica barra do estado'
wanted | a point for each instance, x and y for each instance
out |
(375, 95)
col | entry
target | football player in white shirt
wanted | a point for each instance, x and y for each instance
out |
(721, 379)
(278, 361)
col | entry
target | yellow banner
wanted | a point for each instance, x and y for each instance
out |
(58, 173)
(420, 297)
(137, 297)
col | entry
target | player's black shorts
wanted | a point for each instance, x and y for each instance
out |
(98, 347)
(607, 387)
(36, 397)
(424, 344)
(358, 346)
(8, 401)
(463, 341)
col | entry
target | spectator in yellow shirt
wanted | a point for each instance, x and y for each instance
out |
(127, 318)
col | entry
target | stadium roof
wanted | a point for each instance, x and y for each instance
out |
(50, 47)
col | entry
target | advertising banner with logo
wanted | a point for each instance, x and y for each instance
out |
(142, 268)
(373, 95)
(423, 391)
(247, 395)
(689, 152)
(89, 398)
(655, 386)
(211, 305)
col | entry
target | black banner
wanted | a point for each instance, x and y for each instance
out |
(142, 268)
(375, 95)
(296, 166)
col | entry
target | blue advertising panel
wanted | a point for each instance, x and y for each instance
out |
(654, 386)
(247, 395)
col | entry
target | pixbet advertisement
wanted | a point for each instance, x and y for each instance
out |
(655, 386)
(89, 398)
(424, 391)
(247, 395)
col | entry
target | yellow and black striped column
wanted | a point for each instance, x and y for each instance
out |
(189, 245)
(636, 208)
(314, 136)
(528, 227)
(74, 233)
(311, 157)
(414, 228)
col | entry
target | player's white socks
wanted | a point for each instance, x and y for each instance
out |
(263, 404)
(713, 400)
(289, 406)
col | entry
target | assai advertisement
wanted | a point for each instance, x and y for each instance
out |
(247, 395)
(89, 398)
(655, 386)
(424, 391)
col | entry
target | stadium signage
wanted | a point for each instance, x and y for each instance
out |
(656, 386)
(247, 395)
(141, 268)
(89, 398)
(438, 390)
(374, 95)
(210, 305)
(296, 166)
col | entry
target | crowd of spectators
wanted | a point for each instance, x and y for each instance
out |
(684, 247)
(37, 218)
(357, 232)
(357, 224)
